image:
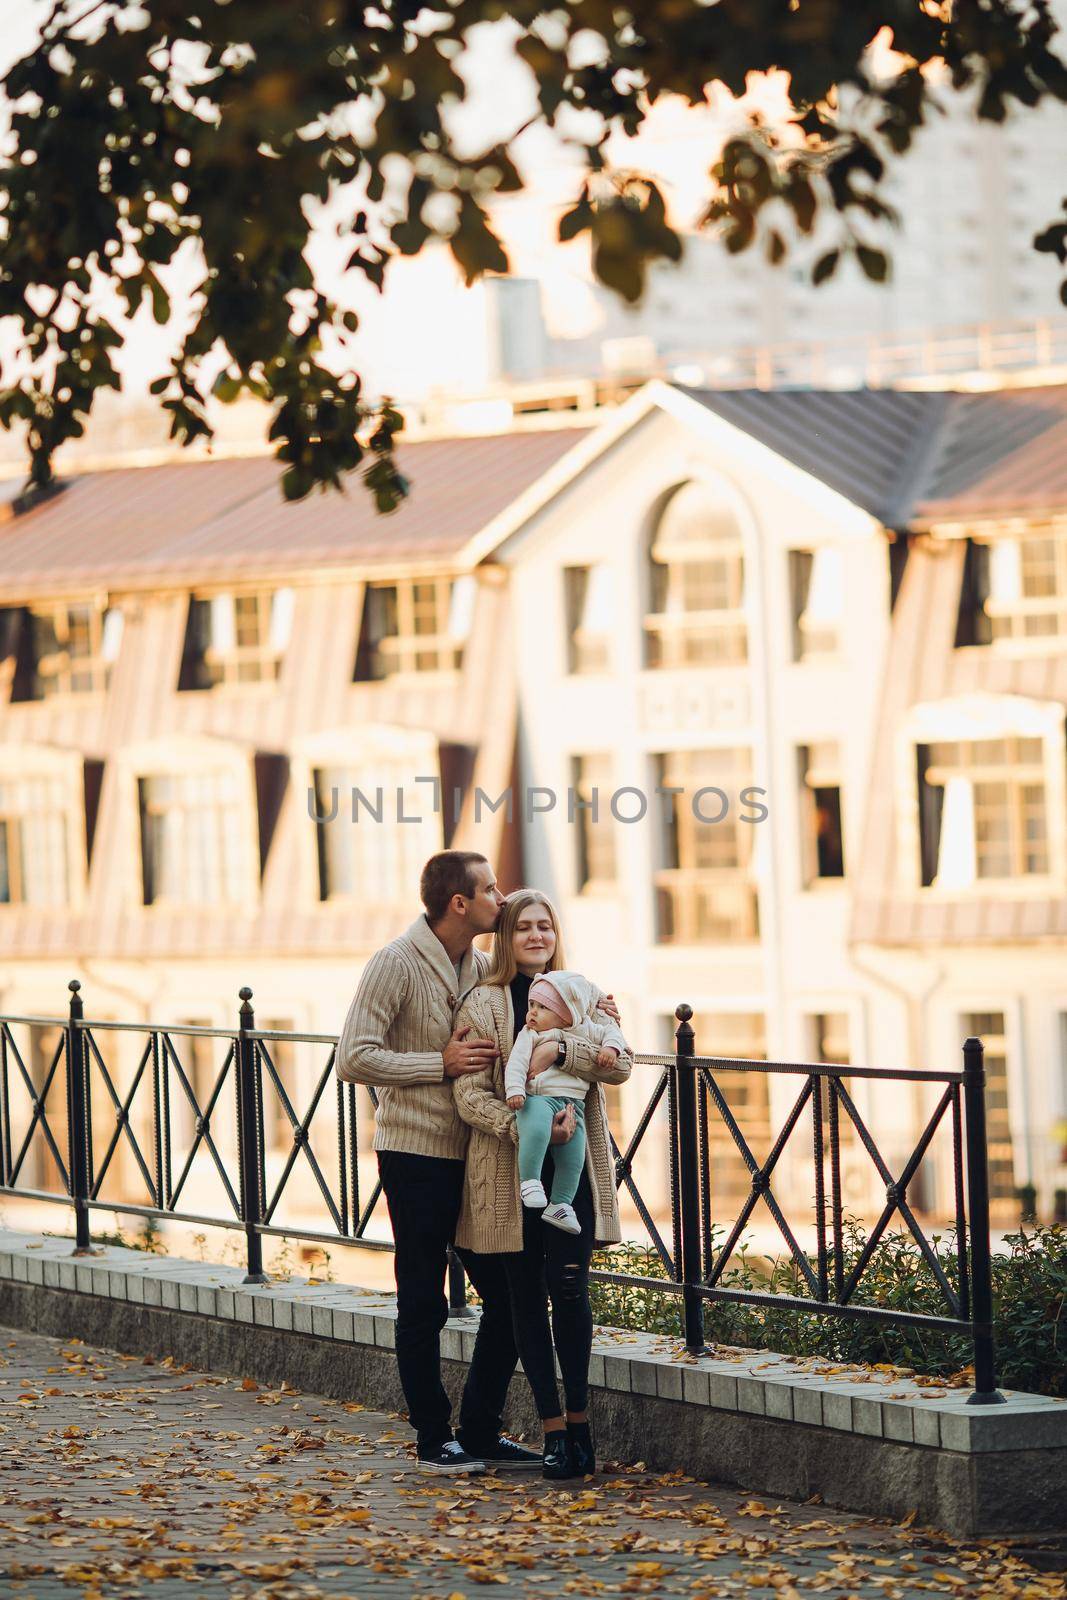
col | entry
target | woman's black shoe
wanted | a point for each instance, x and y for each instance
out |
(580, 1441)
(556, 1462)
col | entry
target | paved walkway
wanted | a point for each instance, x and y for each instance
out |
(118, 1476)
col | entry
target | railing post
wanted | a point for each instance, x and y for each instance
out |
(985, 1377)
(457, 1287)
(78, 1121)
(248, 1139)
(688, 1181)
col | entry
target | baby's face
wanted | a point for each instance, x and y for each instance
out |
(540, 1018)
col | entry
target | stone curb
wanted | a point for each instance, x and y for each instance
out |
(756, 1383)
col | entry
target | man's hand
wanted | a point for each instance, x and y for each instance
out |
(462, 1055)
(563, 1126)
(542, 1056)
(608, 1005)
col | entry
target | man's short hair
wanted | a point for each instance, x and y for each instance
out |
(445, 874)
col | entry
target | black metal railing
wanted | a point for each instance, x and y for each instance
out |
(687, 1086)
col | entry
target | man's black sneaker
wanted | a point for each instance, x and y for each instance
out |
(506, 1455)
(450, 1458)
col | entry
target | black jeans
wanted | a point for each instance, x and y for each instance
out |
(554, 1267)
(423, 1194)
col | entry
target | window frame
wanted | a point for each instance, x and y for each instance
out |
(678, 837)
(985, 610)
(61, 665)
(224, 664)
(804, 654)
(588, 651)
(979, 717)
(587, 882)
(41, 763)
(179, 756)
(811, 878)
(406, 644)
(666, 560)
(1013, 1114)
(372, 748)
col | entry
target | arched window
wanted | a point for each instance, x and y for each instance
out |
(697, 616)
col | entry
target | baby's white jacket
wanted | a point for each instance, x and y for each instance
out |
(580, 997)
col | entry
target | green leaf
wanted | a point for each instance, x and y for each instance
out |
(825, 267)
(875, 263)
(575, 221)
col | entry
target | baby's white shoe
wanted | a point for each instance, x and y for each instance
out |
(564, 1217)
(533, 1194)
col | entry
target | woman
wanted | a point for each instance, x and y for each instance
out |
(542, 1264)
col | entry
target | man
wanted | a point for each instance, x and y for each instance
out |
(398, 1036)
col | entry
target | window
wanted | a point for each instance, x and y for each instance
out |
(820, 803)
(34, 867)
(1015, 588)
(590, 611)
(982, 811)
(193, 828)
(417, 626)
(816, 581)
(697, 616)
(705, 892)
(61, 649)
(989, 1027)
(740, 1035)
(363, 850)
(235, 638)
(594, 824)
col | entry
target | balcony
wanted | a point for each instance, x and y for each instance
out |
(701, 907)
(697, 639)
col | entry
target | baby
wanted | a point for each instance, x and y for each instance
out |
(561, 1005)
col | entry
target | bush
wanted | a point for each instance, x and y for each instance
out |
(1029, 1287)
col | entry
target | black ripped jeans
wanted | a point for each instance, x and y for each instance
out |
(554, 1267)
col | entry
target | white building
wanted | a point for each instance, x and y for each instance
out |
(855, 603)
(858, 604)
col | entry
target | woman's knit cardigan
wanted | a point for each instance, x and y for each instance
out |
(490, 1218)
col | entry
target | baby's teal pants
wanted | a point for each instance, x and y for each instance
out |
(534, 1121)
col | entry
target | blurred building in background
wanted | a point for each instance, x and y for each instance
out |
(848, 608)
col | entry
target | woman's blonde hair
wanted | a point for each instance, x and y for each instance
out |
(504, 966)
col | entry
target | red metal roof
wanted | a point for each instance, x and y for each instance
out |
(191, 521)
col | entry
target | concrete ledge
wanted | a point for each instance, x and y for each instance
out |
(865, 1441)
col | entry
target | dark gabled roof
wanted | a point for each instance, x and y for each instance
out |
(1002, 452)
(197, 521)
(915, 456)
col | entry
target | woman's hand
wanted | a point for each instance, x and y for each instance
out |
(563, 1126)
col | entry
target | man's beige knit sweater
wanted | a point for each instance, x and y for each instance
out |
(396, 1029)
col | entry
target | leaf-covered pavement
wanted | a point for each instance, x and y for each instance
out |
(120, 1476)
